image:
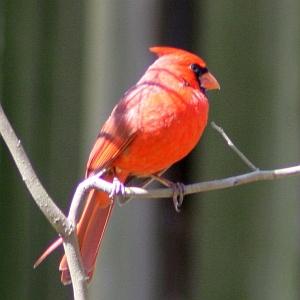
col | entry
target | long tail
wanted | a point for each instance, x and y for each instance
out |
(90, 230)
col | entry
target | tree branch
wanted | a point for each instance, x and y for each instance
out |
(95, 182)
(57, 219)
(233, 147)
(66, 226)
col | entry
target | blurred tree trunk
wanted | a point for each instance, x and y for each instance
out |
(118, 35)
(41, 67)
(246, 238)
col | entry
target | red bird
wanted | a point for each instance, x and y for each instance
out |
(156, 123)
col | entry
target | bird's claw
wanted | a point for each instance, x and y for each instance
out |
(178, 194)
(117, 189)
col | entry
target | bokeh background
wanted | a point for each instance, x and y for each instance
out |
(65, 64)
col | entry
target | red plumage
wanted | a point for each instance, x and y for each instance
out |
(156, 123)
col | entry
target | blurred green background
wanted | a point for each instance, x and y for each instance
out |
(65, 64)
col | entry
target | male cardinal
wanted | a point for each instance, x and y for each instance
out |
(156, 123)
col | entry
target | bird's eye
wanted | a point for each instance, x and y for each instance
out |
(198, 70)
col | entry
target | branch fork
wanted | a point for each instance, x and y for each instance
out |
(65, 227)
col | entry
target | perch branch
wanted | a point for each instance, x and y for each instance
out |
(66, 226)
(95, 182)
(135, 192)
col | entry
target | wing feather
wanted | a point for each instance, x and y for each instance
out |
(116, 134)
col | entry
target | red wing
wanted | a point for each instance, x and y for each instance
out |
(115, 135)
(107, 148)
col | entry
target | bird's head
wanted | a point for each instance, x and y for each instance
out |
(186, 65)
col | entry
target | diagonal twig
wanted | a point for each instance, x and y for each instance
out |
(56, 218)
(233, 147)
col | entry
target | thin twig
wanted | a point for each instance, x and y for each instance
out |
(56, 218)
(233, 147)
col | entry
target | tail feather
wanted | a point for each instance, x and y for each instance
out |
(90, 230)
(49, 250)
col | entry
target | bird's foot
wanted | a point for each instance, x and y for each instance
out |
(178, 190)
(178, 194)
(118, 189)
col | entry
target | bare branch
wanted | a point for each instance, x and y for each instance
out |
(233, 147)
(82, 189)
(66, 226)
(57, 219)
(135, 192)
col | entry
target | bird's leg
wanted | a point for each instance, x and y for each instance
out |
(178, 190)
(118, 188)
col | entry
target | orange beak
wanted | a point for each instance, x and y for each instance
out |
(209, 82)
